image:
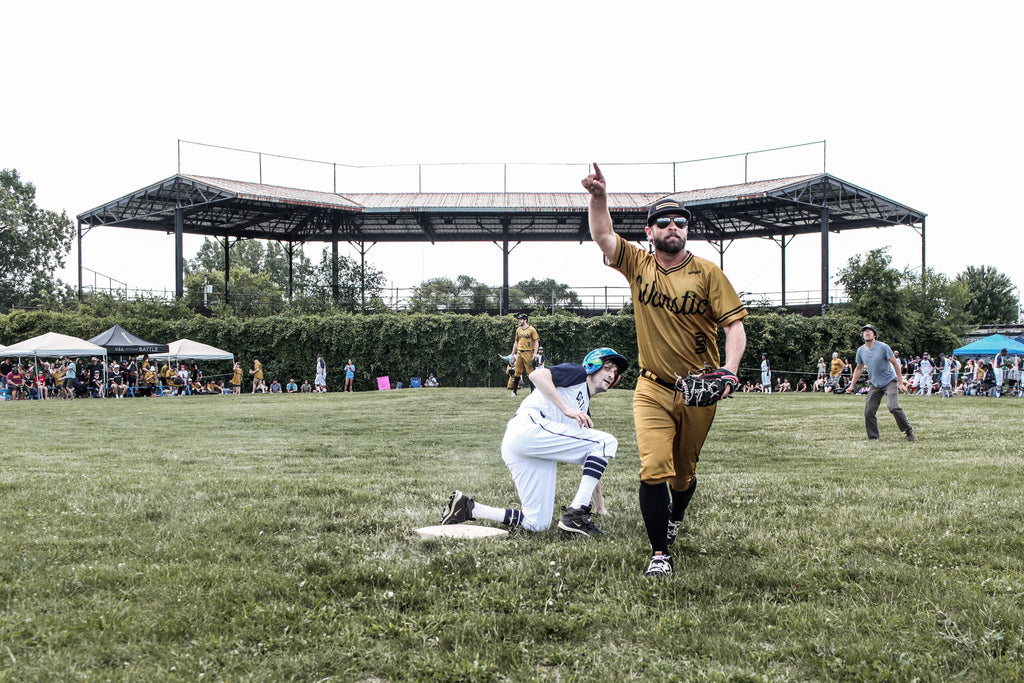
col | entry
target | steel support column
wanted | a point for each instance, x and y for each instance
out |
(179, 253)
(720, 246)
(923, 262)
(79, 260)
(504, 305)
(363, 249)
(782, 243)
(227, 270)
(291, 270)
(824, 259)
(334, 263)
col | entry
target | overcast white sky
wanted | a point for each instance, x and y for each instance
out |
(918, 101)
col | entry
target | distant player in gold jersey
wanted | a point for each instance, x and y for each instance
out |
(257, 375)
(524, 347)
(679, 301)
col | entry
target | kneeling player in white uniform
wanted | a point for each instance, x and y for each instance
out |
(553, 425)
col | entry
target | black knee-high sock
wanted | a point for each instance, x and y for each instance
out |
(654, 506)
(515, 383)
(680, 500)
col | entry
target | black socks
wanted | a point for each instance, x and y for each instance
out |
(680, 499)
(654, 506)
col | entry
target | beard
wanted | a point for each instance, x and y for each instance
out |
(668, 245)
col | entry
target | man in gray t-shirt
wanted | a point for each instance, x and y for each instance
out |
(885, 377)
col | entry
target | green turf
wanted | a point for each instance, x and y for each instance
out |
(270, 538)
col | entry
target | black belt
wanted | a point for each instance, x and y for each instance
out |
(657, 380)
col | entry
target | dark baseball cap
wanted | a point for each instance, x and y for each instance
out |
(664, 207)
(871, 327)
(523, 316)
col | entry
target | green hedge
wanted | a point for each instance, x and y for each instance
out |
(462, 350)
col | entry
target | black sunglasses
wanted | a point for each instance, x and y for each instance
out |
(666, 221)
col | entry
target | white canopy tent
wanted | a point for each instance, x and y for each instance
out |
(53, 345)
(186, 349)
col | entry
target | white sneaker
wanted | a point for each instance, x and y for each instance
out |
(661, 565)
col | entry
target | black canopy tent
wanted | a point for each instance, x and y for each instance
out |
(119, 341)
(778, 209)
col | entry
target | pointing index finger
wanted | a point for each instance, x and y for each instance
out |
(597, 172)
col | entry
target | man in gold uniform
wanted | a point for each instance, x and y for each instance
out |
(835, 370)
(524, 347)
(679, 301)
(257, 374)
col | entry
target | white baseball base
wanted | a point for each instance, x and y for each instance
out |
(460, 531)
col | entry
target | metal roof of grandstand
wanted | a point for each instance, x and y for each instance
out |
(218, 207)
(223, 207)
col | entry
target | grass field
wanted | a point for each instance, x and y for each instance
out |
(270, 538)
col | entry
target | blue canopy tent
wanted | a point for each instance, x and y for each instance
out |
(990, 346)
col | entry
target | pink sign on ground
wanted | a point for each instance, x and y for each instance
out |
(383, 383)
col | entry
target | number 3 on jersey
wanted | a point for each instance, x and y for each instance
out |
(700, 342)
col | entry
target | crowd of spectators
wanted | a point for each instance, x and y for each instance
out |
(946, 376)
(70, 378)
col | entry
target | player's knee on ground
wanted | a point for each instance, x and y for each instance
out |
(535, 523)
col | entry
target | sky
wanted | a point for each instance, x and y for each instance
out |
(916, 101)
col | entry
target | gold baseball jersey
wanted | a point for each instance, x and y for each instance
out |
(257, 369)
(677, 310)
(526, 338)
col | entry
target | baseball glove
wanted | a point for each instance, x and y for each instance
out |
(705, 389)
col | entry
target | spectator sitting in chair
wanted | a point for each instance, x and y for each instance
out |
(59, 373)
(30, 384)
(431, 381)
(16, 383)
(118, 384)
(173, 381)
(988, 380)
(195, 375)
(43, 380)
(275, 387)
(306, 388)
(291, 387)
(185, 375)
(96, 385)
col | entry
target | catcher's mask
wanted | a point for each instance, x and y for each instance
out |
(596, 358)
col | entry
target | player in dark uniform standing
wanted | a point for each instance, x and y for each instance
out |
(679, 301)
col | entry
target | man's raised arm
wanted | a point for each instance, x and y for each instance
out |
(600, 218)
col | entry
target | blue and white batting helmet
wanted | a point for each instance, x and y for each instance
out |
(596, 359)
